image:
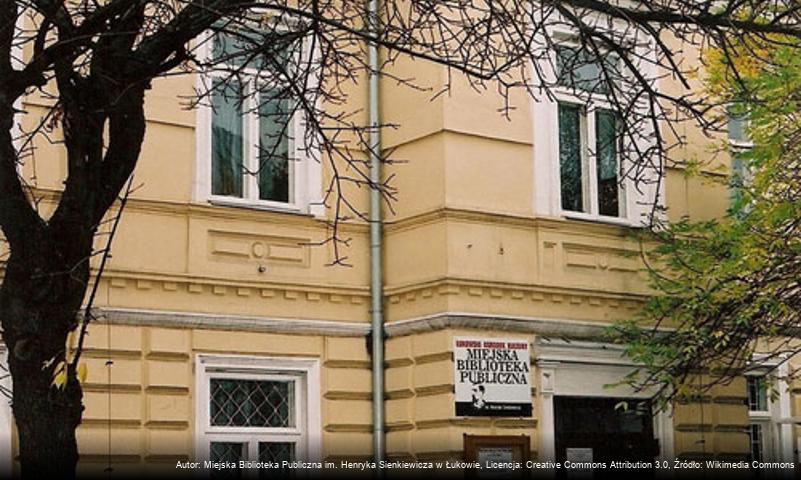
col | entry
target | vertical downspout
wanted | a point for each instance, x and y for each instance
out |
(376, 285)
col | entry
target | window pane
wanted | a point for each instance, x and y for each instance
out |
(606, 138)
(252, 403)
(274, 131)
(737, 126)
(757, 394)
(255, 49)
(227, 452)
(579, 69)
(226, 139)
(739, 177)
(755, 442)
(570, 158)
(276, 452)
(235, 49)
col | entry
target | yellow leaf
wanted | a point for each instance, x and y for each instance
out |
(60, 379)
(60, 375)
(82, 372)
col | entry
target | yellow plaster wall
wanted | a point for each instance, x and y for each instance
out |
(151, 387)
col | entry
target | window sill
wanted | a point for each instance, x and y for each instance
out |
(621, 222)
(250, 205)
(741, 145)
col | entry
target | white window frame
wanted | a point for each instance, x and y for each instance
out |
(547, 178)
(305, 189)
(735, 144)
(777, 433)
(305, 434)
(589, 162)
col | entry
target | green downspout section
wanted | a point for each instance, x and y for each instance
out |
(376, 285)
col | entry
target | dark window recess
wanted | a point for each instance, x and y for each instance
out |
(571, 158)
(613, 434)
(606, 138)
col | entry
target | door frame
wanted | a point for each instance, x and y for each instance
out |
(583, 369)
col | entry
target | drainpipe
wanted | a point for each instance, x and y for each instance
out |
(376, 285)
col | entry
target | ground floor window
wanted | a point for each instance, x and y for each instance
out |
(256, 409)
(761, 431)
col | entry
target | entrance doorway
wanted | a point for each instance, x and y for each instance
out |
(593, 429)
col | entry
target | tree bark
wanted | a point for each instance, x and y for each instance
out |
(42, 291)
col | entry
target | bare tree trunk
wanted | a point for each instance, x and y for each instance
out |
(42, 291)
(46, 421)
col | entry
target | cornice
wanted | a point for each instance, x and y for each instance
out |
(548, 327)
(294, 326)
(570, 226)
(517, 291)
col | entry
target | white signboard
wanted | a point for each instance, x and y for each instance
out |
(492, 377)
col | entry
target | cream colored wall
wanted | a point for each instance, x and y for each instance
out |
(420, 400)
(151, 389)
(463, 239)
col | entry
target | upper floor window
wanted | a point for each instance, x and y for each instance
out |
(739, 143)
(589, 176)
(589, 135)
(580, 69)
(251, 135)
(594, 156)
(737, 129)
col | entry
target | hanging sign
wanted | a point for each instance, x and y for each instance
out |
(492, 377)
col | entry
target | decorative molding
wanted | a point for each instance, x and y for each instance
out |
(400, 394)
(348, 428)
(567, 226)
(341, 395)
(196, 284)
(540, 326)
(241, 246)
(396, 294)
(434, 390)
(153, 318)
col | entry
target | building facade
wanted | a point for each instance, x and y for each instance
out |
(224, 333)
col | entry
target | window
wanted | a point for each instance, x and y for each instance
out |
(579, 69)
(737, 129)
(256, 409)
(589, 183)
(759, 429)
(589, 133)
(251, 135)
(757, 393)
(770, 436)
(581, 167)
(739, 143)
